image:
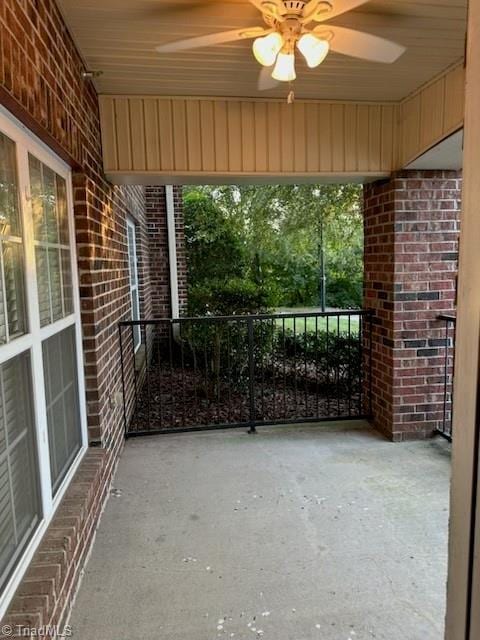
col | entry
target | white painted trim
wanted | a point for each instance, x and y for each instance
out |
(172, 251)
(27, 142)
(133, 282)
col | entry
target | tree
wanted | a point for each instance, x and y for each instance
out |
(277, 232)
(220, 280)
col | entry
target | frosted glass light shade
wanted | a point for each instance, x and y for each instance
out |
(313, 49)
(284, 69)
(266, 49)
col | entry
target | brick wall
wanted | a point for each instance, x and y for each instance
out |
(41, 83)
(158, 248)
(411, 253)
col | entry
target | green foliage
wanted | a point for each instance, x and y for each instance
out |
(269, 236)
(333, 355)
(229, 297)
(221, 281)
(214, 249)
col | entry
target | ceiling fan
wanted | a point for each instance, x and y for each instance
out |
(289, 27)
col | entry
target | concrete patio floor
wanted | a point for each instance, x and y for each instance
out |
(296, 533)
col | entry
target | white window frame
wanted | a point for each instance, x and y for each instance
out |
(133, 282)
(26, 142)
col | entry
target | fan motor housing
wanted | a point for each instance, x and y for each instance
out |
(294, 10)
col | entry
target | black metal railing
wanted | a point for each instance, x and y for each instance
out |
(215, 372)
(446, 424)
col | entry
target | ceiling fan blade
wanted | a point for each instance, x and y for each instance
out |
(317, 10)
(339, 7)
(211, 39)
(265, 80)
(361, 45)
(273, 8)
(183, 6)
(179, 9)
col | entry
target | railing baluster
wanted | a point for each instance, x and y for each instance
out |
(274, 409)
(261, 327)
(360, 365)
(122, 368)
(159, 366)
(143, 331)
(445, 382)
(317, 374)
(446, 428)
(349, 365)
(206, 385)
(195, 367)
(251, 377)
(182, 363)
(327, 363)
(338, 366)
(172, 384)
(134, 367)
(284, 372)
(229, 374)
(305, 346)
(370, 363)
(295, 360)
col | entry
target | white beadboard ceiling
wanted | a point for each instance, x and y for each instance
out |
(118, 37)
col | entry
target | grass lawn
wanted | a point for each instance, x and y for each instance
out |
(311, 324)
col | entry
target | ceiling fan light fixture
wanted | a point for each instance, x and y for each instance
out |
(284, 69)
(267, 48)
(313, 49)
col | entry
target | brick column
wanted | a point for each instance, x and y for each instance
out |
(411, 252)
(158, 249)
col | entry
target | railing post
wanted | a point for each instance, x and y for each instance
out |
(125, 425)
(445, 378)
(370, 362)
(445, 429)
(251, 375)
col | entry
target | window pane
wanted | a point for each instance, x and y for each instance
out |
(14, 287)
(63, 414)
(20, 508)
(50, 220)
(133, 273)
(62, 211)
(67, 281)
(9, 208)
(36, 192)
(7, 528)
(3, 327)
(50, 200)
(55, 283)
(131, 256)
(43, 287)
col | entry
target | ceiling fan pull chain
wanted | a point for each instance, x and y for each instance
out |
(291, 97)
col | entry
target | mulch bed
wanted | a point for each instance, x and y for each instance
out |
(176, 399)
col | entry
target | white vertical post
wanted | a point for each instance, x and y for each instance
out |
(172, 251)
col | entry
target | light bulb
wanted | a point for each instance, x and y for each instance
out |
(284, 69)
(266, 49)
(314, 49)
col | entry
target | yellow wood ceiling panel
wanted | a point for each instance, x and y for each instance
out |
(150, 136)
